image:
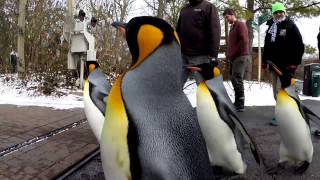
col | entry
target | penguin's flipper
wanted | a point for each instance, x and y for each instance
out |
(114, 136)
(99, 89)
(227, 112)
(247, 136)
(308, 113)
(278, 169)
(305, 111)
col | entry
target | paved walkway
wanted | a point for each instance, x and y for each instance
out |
(49, 157)
(267, 137)
(256, 119)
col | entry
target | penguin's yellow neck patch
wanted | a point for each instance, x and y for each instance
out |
(293, 82)
(177, 37)
(115, 130)
(202, 87)
(85, 88)
(216, 72)
(149, 38)
(284, 99)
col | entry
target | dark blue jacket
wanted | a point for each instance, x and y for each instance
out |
(288, 47)
(199, 29)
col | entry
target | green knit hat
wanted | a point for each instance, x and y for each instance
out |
(278, 7)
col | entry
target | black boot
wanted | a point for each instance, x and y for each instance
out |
(239, 104)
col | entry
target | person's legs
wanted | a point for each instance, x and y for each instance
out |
(185, 71)
(275, 87)
(238, 70)
(275, 83)
(14, 68)
(203, 62)
(248, 69)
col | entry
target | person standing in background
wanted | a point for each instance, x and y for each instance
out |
(283, 46)
(237, 55)
(199, 32)
(81, 15)
(13, 61)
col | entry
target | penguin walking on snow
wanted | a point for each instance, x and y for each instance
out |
(221, 126)
(293, 121)
(95, 94)
(151, 130)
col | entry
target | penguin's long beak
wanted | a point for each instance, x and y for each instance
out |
(193, 68)
(275, 68)
(285, 80)
(121, 27)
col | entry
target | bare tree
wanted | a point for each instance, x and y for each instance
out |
(166, 9)
(110, 46)
(8, 29)
(21, 26)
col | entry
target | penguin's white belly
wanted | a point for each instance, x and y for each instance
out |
(294, 133)
(219, 137)
(94, 116)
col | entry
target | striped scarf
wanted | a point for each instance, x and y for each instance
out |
(273, 29)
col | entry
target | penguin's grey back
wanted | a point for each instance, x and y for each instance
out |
(165, 141)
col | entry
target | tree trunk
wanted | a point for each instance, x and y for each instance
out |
(21, 26)
(250, 5)
(161, 9)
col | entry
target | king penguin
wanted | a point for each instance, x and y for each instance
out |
(294, 126)
(221, 126)
(151, 130)
(95, 94)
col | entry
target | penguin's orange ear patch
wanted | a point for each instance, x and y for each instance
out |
(92, 67)
(149, 39)
(216, 72)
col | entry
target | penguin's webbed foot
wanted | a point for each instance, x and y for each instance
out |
(221, 173)
(277, 169)
(302, 167)
(217, 171)
(316, 133)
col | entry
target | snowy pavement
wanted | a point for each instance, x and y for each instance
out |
(256, 93)
(13, 92)
(16, 92)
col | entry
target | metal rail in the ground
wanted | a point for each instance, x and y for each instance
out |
(78, 165)
(43, 137)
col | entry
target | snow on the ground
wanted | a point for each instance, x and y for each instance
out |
(256, 93)
(12, 92)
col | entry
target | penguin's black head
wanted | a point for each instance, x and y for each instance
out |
(285, 76)
(145, 34)
(90, 66)
(286, 79)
